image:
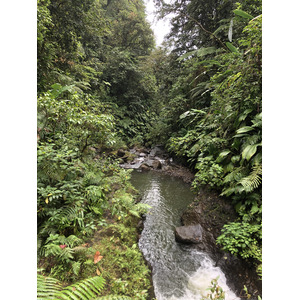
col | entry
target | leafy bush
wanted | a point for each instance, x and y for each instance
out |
(64, 116)
(244, 240)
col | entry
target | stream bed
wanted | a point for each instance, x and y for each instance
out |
(179, 272)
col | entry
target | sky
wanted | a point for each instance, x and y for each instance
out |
(160, 27)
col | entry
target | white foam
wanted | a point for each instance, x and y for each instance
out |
(200, 281)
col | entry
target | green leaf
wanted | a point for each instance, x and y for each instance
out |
(222, 155)
(135, 213)
(254, 209)
(191, 112)
(198, 111)
(184, 115)
(244, 129)
(200, 52)
(231, 47)
(204, 51)
(242, 14)
(184, 56)
(249, 151)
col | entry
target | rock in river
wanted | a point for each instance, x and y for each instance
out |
(189, 234)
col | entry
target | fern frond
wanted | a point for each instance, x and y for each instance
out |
(76, 267)
(65, 212)
(66, 254)
(52, 250)
(73, 240)
(50, 288)
(47, 287)
(85, 289)
(253, 180)
(113, 297)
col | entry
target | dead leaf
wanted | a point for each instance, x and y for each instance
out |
(97, 257)
(97, 271)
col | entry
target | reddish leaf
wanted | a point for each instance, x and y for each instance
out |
(97, 257)
(62, 246)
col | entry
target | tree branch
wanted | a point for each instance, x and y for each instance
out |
(208, 32)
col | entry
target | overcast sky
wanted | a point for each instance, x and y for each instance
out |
(161, 27)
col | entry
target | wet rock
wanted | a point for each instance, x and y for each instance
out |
(192, 216)
(189, 234)
(140, 226)
(142, 150)
(157, 151)
(156, 164)
(152, 163)
(145, 167)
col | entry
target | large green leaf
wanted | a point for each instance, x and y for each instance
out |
(244, 129)
(242, 14)
(204, 51)
(231, 47)
(200, 52)
(249, 151)
(191, 112)
(186, 55)
(222, 155)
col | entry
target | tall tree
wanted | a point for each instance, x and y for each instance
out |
(199, 23)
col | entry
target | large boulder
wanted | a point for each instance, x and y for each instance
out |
(152, 163)
(188, 234)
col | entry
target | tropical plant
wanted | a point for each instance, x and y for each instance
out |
(244, 240)
(50, 288)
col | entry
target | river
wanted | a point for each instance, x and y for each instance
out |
(178, 271)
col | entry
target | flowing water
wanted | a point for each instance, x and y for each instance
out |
(178, 271)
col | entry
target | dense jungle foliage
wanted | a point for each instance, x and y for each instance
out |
(103, 85)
